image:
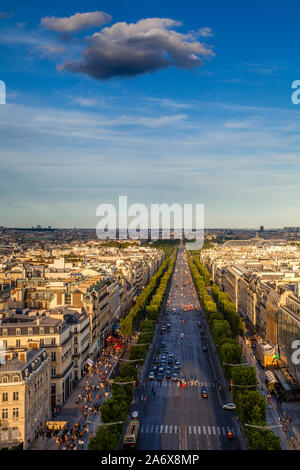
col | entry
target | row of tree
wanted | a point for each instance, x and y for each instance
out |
(225, 325)
(131, 320)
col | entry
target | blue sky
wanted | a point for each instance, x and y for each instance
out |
(191, 105)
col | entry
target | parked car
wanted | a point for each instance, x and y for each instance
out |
(229, 406)
(174, 377)
(151, 375)
(160, 376)
(204, 392)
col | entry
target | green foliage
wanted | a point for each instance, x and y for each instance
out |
(106, 438)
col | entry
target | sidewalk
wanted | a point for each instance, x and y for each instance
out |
(82, 406)
(275, 411)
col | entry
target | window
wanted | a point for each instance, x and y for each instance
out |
(53, 356)
(75, 351)
(53, 342)
(30, 331)
(16, 378)
(15, 413)
(16, 396)
(5, 379)
(75, 340)
(53, 371)
(4, 413)
(4, 435)
(18, 343)
(51, 330)
(5, 332)
(42, 343)
(42, 330)
(5, 396)
(15, 433)
(18, 331)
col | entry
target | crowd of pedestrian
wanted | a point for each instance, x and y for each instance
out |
(96, 389)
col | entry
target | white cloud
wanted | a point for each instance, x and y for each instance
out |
(137, 48)
(75, 23)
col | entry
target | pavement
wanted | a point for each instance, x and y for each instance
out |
(72, 413)
(276, 411)
(175, 418)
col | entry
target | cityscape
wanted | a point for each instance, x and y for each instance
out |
(149, 230)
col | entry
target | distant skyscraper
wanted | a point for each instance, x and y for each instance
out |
(261, 228)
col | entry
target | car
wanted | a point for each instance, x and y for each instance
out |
(160, 376)
(177, 364)
(156, 360)
(170, 360)
(229, 406)
(174, 377)
(163, 344)
(135, 414)
(168, 374)
(204, 348)
(202, 332)
(176, 369)
(163, 357)
(171, 355)
(204, 392)
(168, 327)
(151, 375)
(229, 434)
(154, 369)
(162, 365)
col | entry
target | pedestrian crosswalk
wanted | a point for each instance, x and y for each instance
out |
(189, 429)
(169, 383)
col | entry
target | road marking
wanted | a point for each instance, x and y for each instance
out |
(199, 429)
(219, 431)
(204, 430)
(166, 429)
(156, 429)
(190, 429)
(161, 428)
(171, 429)
(175, 429)
(214, 430)
(208, 428)
(152, 428)
(224, 431)
(142, 429)
(195, 432)
(147, 427)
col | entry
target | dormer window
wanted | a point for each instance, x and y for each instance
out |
(16, 378)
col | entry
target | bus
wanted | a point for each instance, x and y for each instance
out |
(131, 436)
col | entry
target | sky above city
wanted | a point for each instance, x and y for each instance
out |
(164, 102)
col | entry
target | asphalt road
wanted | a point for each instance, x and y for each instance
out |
(175, 418)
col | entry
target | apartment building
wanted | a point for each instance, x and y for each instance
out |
(24, 396)
(21, 331)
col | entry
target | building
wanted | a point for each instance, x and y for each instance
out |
(21, 331)
(24, 396)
